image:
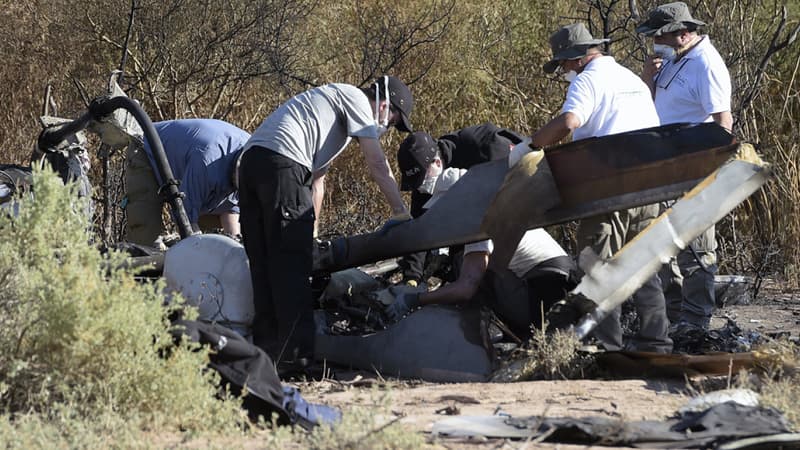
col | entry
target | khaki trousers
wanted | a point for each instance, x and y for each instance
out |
(606, 234)
(143, 209)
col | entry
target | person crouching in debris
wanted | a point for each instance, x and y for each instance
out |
(202, 154)
(539, 274)
(281, 187)
(606, 98)
(422, 159)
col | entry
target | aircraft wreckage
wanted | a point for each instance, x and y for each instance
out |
(701, 165)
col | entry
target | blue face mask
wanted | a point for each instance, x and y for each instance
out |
(569, 76)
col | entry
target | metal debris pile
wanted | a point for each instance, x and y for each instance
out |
(729, 338)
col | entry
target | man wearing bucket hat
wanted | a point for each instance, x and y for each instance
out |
(281, 187)
(687, 76)
(606, 98)
(422, 159)
(690, 83)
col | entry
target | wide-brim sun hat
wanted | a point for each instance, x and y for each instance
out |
(570, 42)
(668, 18)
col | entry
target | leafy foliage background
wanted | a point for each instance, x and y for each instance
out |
(467, 62)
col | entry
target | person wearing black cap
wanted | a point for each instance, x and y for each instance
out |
(281, 187)
(605, 98)
(422, 158)
(690, 83)
(539, 274)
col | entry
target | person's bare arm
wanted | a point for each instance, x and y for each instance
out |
(229, 221)
(464, 288)
(318, 195)
(724, 119)
(555, 130)
(382, 174)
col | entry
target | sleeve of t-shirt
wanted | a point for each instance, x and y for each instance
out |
(358, 114)
(580, 99)
(483, 246)
(195, 186)
(714, 88)
(229, 205)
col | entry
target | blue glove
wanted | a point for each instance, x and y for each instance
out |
(394, 221)
(404, 302)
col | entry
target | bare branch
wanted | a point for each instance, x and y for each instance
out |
(774, 47)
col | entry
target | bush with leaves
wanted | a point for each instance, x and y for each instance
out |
(77, 336)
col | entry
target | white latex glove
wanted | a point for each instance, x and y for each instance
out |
(518, 151)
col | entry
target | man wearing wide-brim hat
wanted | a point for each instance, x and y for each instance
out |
(686, 74)
(606, 98)
(690, 83)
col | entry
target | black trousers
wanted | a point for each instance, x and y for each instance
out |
(277, 219)
(413, 264)
(520, 302)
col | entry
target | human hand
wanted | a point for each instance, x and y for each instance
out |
(403, 303)
(651, 66)
(394, 221)
(518, 151)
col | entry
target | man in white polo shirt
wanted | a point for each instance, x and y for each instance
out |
(690, 83)
(606, 98)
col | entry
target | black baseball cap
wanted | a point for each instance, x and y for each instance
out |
(415, 155)
(400, 98)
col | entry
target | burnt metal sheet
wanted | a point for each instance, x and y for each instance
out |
(508, 214)
(454, 219)
(659, 365)
(593, 169)
(435, 343)
(634, 168)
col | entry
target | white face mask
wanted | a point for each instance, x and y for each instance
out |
(431, 176)
(382, 122)
(569, 76)
(428, 185)
(663, 51)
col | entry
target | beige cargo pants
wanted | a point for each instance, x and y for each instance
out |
(143, 209)
(606, 234)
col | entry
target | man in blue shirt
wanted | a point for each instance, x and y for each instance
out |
(202, 154)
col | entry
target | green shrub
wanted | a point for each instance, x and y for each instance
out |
(76, 337)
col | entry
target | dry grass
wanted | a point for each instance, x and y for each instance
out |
(547, 356)
(479, 63)
(778, 380)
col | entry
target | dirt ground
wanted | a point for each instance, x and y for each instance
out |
(422, 404)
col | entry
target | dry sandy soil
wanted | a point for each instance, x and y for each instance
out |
(422, 404)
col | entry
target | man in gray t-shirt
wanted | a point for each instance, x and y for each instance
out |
(281, 187)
